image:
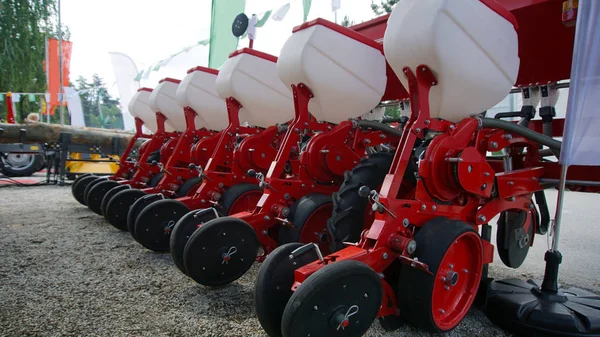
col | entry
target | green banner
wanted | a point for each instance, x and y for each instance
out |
(306, 4)
(222, 41)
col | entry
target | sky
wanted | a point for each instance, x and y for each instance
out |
(151, 30)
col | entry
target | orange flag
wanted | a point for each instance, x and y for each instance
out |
(53, 69)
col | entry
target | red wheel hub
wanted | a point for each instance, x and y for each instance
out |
(315, 228)
(245, 202)
(457, 280)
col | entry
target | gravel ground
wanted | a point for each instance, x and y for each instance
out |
(64, 272)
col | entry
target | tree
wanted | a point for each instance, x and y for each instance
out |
(24, 25)
(385, 6)
(99, 108)
(346, 22)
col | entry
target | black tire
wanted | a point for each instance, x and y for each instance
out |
(415, 287)
(300, 213)
(347, 219)
(137, 207)
(155, 179)
(274, 285)
(155, 222)
(27, 164)
(154, 156)
(233, 193)
(210, 235)
(77, 180)
(89, 187)
(111, 193)
(332, 287)
(118, 207)
(79, 188)
(188, 186)
(97, 193)
(183, 230)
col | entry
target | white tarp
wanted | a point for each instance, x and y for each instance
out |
(581, 139)
(74, 106)
(125, 73)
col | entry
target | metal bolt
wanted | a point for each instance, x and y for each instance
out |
(423, 207)
(418, 129)
(267, 218)
(508, 136)
(493, 145)
(451, 127)
(365, 295)
(530, 206)
(481, 218)
(405, 222)
(286, 196)
(465, 271)
(487, 174)
(434, 207)
(427, 121)
(451, 266)
(484, 186)
(442, 311)
(511, 199)
(385, 256)
(316, 307)
(367, 141)
(265, 232)
(411, 247)
(382, 136)
(510, 183)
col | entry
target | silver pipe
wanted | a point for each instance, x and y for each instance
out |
(559, 207)
(571, 182)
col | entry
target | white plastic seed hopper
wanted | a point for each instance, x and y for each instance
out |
(345, 70)
(198, 91)
(251, 78)
(139, 107)
(469, 45)
(163, 100)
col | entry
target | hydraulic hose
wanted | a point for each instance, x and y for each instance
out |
(520, 130)
(379, 126)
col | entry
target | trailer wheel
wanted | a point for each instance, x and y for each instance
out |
(340, 299)
(189, 187)
(184, 228)
(220, 251)
(238, 198)
(350, 210)
(453, 252)
(117, 208)
(111, 193)
(155, 222)
(308, 218)
(89, 187)
(135, 207)
(274, 285)
(20, 164)
(155, 179)
(97, 193)
(79, 188)
(241, 197)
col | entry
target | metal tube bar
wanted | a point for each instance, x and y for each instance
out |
(559, 208)
(571, 182)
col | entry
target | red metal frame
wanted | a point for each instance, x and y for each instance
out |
(230, 160)
(176, 168)
(330, 151)
(456, 182)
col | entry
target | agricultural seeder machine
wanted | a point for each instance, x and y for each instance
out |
(357, 219)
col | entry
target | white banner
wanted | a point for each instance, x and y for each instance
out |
(335, 5)
(74, 106)
(581, 139)
(125, 74)
(281, 12)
